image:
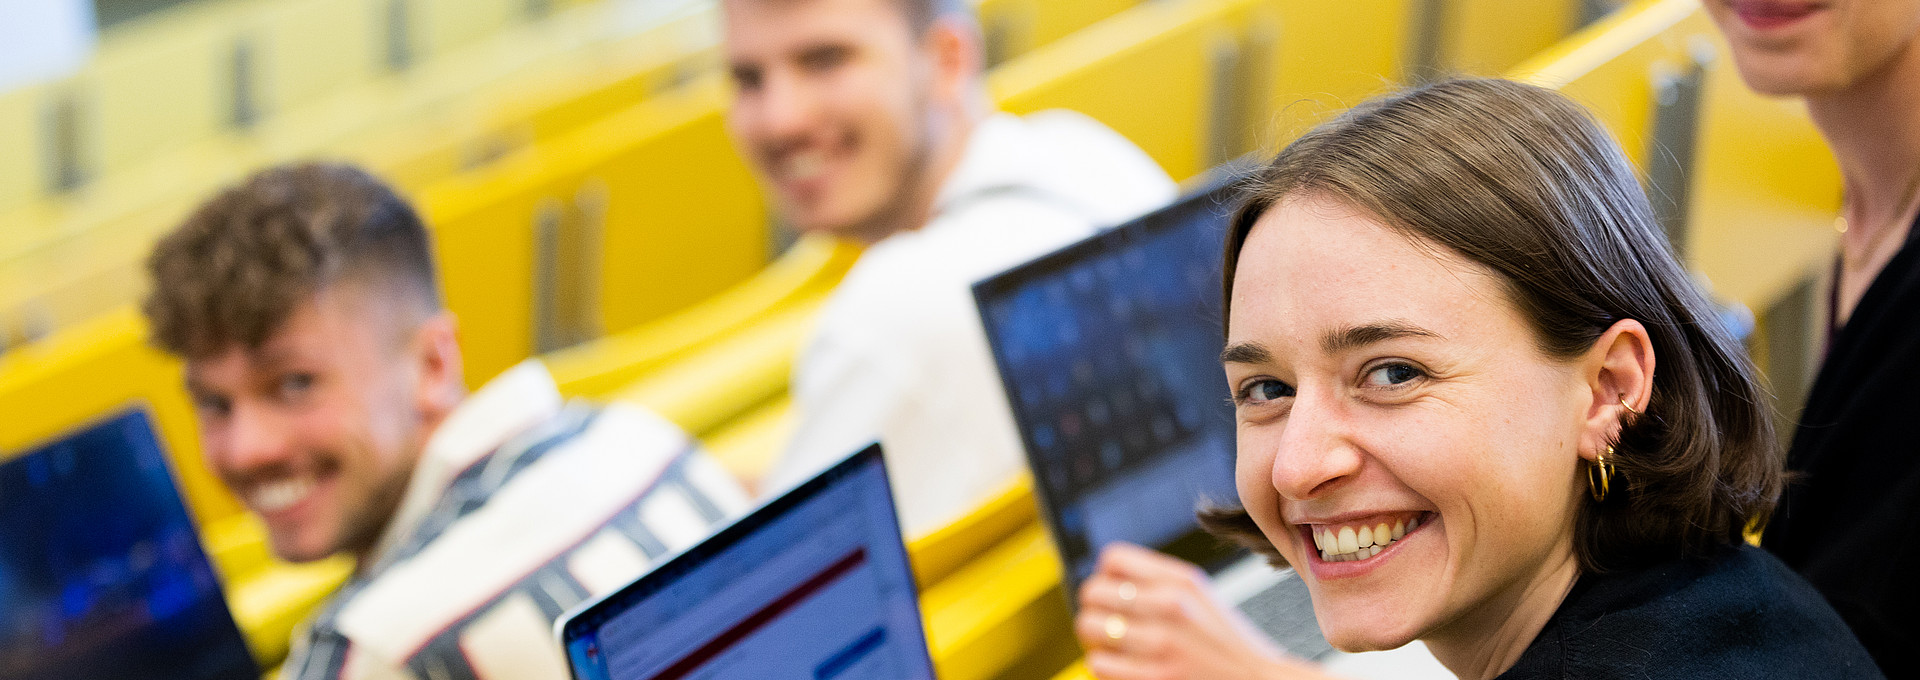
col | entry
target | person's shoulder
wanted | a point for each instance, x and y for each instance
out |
(1084, 160)
(1739, 613)
(516, 517)
(923, 279)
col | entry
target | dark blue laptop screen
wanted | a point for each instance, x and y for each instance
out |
(101, 572)
(1109, 351)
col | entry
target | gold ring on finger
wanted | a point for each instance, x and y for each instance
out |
(1116, 627)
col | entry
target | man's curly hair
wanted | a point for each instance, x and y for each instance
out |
(232, 273)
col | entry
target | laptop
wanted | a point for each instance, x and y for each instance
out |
(1109, 352)
(813, 584)
(101, 572)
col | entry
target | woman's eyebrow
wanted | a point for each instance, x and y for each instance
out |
(1336, 341)
(1245, 353)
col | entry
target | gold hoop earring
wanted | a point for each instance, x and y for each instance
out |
(1629, 407)
(1599, 489)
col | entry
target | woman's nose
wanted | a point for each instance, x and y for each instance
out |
(1314, 451)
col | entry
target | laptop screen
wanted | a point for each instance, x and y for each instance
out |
(815, 584)
(101, 572)
(1109, 351)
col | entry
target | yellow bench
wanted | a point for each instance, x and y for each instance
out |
(1489, 37)
(1194, 82)
(1011, 28)
(805, 273)
(71, 257)
(206, 68)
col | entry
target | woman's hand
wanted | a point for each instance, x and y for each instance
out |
(1146, 616)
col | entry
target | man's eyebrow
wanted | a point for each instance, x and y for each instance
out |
(1246, 353)
(1334, 342)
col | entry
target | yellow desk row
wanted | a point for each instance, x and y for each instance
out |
(206, 68)
(70, 257)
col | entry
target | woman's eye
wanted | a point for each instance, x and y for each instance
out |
(1392, 375)
(1262, 391)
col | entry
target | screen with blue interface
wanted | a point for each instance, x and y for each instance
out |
(813, 585)
(101, 573)
(1109, 351)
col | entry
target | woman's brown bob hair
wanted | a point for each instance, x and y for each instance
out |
(1522, 181)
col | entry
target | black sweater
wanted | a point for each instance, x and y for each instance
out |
(1850, 523)
(1742, 615)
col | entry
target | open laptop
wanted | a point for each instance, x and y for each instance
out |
(1109, 351)
(101, 572)
(814, 584)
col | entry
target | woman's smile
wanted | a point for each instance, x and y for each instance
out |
(1361, 539)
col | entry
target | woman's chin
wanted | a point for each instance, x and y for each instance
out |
(1367, 633)
(1368, 643)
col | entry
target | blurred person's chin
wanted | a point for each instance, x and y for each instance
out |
(1798, 72)
(1812, 49)
(847, 204)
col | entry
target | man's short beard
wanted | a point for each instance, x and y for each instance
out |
(363, 529)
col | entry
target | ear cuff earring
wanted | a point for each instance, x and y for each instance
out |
(1599, 484)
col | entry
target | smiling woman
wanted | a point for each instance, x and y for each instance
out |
(1480, 405)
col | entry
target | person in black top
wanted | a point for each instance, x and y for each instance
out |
(1850, 518)
(1480, 405)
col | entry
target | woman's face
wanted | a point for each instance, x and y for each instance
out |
(1817, 47)
(1379, 383)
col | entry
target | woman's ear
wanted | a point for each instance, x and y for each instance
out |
(1619, 374)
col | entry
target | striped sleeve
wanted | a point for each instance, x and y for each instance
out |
(568, 519)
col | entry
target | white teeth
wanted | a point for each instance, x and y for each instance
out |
(805, 166)
(1347, 543)
(277, 496)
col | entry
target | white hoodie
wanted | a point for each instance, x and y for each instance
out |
(899, 354)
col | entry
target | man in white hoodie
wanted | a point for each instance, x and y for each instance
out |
(869, 120)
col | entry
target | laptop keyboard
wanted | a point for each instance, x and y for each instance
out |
(1285, 612)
